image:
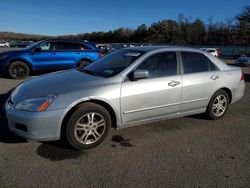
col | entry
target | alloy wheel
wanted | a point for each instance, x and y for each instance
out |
(219, 105)
(89, 128)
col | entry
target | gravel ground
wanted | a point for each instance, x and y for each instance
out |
(183, 152)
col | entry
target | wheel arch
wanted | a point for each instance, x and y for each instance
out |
(229, 92)
(96, 101)
(19, 59)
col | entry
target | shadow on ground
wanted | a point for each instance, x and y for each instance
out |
(199, 116)
(58, 151)
(6, 136)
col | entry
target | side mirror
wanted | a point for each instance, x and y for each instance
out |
(38, 49)
(140, 74)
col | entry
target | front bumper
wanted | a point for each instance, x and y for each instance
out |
(40, 126)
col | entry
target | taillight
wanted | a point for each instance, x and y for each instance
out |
(100, 55)
(242, 76)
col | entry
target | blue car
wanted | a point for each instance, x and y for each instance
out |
(243, 61)
(53, 54)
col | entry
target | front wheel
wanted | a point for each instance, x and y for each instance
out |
(88, 126)
(18, 70)
(218, 105)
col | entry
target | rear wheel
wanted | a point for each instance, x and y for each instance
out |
(18, 70)
(88, 126)
(218, 105)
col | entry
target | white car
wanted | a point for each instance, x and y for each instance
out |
(213, 51)
(4, 44)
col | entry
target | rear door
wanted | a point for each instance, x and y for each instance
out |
(158, 95)
(200, 76)
(69, 54)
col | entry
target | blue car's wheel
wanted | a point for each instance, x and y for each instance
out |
(83, 63)
(18, 70)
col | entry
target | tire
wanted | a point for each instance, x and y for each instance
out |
(18, 70)
(83, 133)
(218, 105)
(83, 63)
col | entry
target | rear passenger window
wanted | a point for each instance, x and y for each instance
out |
(71, 46)
(196, 62)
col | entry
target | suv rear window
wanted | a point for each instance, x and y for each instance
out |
(196, 62)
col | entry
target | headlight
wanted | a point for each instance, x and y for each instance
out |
(2, 57)
(36, 104)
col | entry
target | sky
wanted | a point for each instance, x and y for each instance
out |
(61, 17)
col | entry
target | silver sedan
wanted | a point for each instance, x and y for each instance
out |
(128, 87)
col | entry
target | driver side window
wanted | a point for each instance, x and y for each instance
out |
(47, 46)
(160, 65)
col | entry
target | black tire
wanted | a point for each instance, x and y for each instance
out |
(216, 108)
(18, 70)
(76, 138)
(83, 63)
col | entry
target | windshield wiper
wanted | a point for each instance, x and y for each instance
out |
(88, 72)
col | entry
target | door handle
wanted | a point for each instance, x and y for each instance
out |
(214, 77)
(174, 83)
(54, 53)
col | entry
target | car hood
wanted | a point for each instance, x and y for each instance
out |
(13, 52)
(60, 83)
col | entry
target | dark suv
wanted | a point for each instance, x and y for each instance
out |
(53, 54)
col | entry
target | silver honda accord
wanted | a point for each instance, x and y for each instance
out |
(128, 87)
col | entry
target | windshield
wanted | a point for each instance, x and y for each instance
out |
(31, 46)
(113, 63)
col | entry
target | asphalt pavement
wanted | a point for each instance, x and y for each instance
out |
(184, 152)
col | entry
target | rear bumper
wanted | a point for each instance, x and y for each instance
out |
(40, 126)
(238, 93)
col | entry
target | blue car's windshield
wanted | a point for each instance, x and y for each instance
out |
(31, 46)
(113, 63)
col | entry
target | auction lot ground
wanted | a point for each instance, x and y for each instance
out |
(184, 152)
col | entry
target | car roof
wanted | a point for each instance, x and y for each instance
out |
(155, 48)
(66, 40)
(89, 44)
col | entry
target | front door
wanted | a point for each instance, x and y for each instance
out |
(158, 95)
(44, 56)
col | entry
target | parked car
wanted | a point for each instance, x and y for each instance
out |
(127, 87)
(20, 44)
(213, 51)
(243, 61)
(4, 44)
(53, 54)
